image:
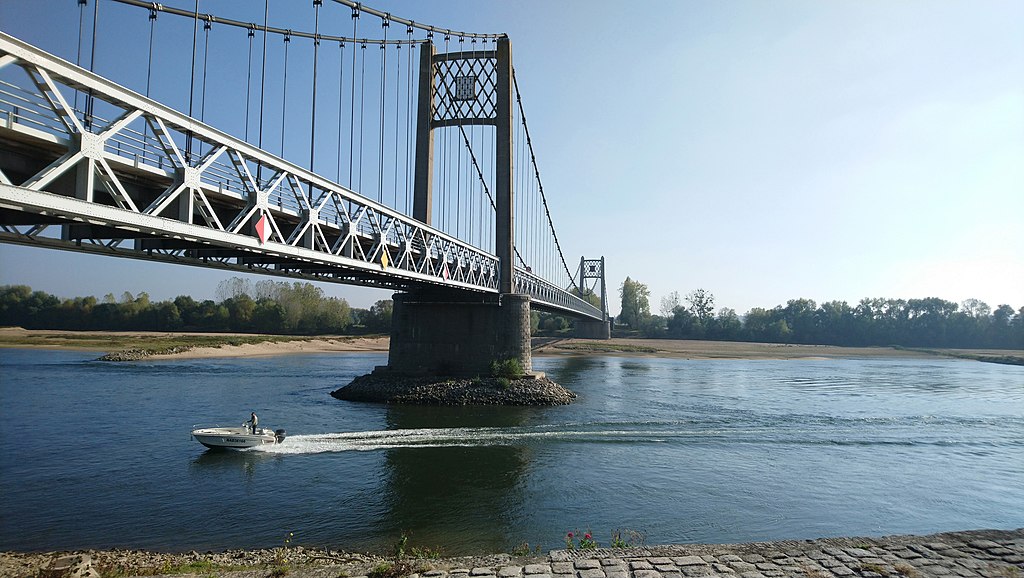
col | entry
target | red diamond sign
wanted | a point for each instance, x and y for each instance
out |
(263, 228)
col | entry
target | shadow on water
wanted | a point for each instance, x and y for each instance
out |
(569, 369)
(438, 495)
(228, 461)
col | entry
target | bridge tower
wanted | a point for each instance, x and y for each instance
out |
(591, 273)
(441, 330)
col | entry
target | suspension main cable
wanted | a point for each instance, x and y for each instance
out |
(540, 184)
(483, 181)
(356, 6)
(413, 23)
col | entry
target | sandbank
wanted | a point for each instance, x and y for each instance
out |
(207, 345)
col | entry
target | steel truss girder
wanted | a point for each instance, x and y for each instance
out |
(325, 227)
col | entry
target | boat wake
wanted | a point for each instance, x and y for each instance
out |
(472, 437)
(800, 433)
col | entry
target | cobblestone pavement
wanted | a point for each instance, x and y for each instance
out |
(980, 553)
(983, 553)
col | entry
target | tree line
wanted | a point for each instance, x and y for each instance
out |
(266, 306)
(928, 322)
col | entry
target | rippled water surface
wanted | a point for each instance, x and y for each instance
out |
(98, 455)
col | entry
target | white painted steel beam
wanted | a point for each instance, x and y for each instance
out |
(373, 244)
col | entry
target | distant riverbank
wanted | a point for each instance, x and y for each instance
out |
(181, 345)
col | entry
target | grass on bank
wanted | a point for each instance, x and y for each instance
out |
(985, 356)
(599, 347)
(198, 567)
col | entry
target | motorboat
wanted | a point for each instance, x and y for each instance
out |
(238, 438)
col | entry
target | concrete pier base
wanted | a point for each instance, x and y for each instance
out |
(458, 337)
(592, 329)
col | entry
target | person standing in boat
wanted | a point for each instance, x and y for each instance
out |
(254, 421)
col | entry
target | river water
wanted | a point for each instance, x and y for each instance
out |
(98, 455)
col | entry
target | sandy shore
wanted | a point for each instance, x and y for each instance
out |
(108, 341)
(680, 349)
(693, 349)
(318, 345)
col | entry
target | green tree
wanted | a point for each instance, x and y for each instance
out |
(379, 317)
(335, 315)
(240, 311)
(635, 305)
(669, 304)
(801, 319)
(755, 324)
(702, 304)
(684, 324)
(727, 326)
(268, 317)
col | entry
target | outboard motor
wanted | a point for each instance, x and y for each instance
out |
(279, 435)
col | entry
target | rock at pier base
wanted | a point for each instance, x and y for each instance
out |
(397, 388)
(74, 566)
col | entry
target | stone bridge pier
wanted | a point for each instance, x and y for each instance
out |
(434, 335)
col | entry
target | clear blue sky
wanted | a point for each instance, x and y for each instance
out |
(763, 151)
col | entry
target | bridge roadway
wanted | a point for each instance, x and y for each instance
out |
(145, 181)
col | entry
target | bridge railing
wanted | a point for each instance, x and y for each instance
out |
(318, 228)
(547, 294)
(316, 224)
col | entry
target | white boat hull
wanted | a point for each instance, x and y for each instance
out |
(237, 438)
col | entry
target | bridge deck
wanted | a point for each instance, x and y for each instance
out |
(149, 182)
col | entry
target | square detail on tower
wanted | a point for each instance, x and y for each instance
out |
(465, 88)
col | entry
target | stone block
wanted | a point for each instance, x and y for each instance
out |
(75, 566)
(510, 572)
(659, 560)
(730, 558)
(562, 568)
(537, 569)
(588, 564)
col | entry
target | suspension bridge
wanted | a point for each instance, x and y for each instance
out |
(421, 175)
